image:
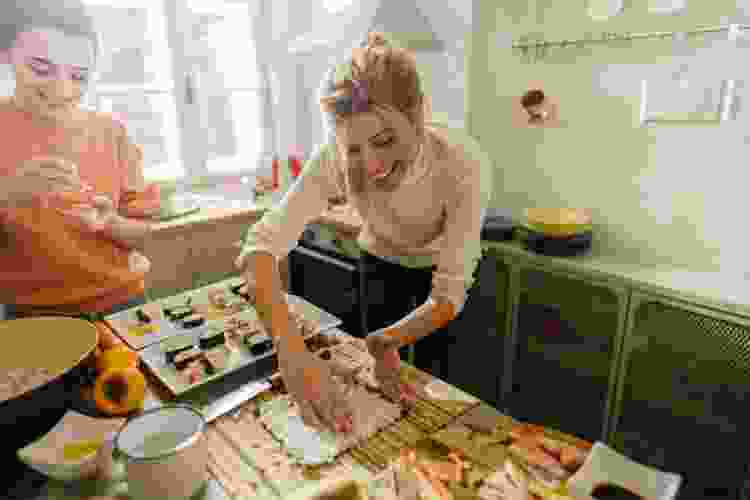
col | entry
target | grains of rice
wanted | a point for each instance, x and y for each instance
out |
(16, 382)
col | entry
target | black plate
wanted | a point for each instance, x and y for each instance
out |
(558, 247)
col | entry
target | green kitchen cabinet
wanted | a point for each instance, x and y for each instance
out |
(683, 394)
(565, 337)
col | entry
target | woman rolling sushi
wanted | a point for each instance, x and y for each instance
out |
(71, 180)
(421, 190)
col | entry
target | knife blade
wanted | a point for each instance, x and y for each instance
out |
(234, 399)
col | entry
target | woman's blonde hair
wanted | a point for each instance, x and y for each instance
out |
(388, 74)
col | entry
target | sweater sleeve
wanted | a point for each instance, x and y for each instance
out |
(461, 250)
(279, 229)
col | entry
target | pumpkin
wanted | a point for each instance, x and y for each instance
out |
(120, 391)
(116, 357)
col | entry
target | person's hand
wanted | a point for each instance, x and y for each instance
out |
(384, 349)
(322, 399)
(37, 178)
(100, 215)
(245, 265)
(513, 486)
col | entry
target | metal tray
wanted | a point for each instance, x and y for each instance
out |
(253, 367)
(167, 329)
(140, 341)
(309, 310)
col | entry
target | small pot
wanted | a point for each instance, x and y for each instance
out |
(165, 452)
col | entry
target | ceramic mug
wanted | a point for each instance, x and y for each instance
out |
(165, 453)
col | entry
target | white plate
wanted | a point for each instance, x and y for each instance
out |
(606, 466)
(46, 455)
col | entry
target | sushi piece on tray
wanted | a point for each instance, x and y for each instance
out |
(175, 345)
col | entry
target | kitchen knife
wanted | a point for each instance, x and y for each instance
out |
(234, 399)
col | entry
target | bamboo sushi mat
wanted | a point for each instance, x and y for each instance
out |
(249, 462)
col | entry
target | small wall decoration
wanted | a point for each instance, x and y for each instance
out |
(684, 101)
(601, 10)
(667, 6)
(536, 109)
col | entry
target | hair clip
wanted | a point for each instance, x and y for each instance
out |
(344, 105)
(360, 97)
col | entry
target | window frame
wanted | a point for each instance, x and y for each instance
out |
(190, 130)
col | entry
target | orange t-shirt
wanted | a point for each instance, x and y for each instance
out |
(45, 261)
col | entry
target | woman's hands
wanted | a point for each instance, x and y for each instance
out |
(315, 384)
(100, 215)
(312, 382)
(384, 348)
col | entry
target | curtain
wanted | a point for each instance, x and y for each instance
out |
(334, 34)
(264, 42)
(290, 45)
(451, 21)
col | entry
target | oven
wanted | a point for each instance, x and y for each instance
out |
(329, 279)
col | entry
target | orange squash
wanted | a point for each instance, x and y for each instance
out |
(120, 391)
(116, 357)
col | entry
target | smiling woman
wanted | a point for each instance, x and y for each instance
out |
(421, 190)
(71, 179)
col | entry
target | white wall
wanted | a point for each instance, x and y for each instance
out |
(665, 195)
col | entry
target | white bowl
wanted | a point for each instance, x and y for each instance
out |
(606, 466)
(49, 455)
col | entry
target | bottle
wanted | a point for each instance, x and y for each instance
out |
(295, 164)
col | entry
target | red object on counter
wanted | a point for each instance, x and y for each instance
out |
(295, 165)
(276, 167)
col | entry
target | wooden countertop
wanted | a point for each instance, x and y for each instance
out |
(719, 290)
(343, 217)
(209, 215)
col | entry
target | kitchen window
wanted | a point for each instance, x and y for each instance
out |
(186, 78)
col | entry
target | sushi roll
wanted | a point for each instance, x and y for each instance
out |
(192, 372)
(211, 339)
(172, 347)
(179, 312)
(142, 316)
(184, 358)
(217, 298)
(193, 321)
(258, 344)
(241, 290)
(215, 360)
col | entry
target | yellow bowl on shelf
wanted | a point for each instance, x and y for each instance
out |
(558, 222)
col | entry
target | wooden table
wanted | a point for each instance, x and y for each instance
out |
(157, 394)
(215, 491)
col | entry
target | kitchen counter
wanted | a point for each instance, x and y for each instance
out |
(718, 290)
(208, 216)
(343, 217)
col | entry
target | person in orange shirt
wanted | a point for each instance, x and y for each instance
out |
(71, 180)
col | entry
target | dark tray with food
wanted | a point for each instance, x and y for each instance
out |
(144, 325)
(215, 349)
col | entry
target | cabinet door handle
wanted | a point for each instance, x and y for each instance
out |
(319, 256)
